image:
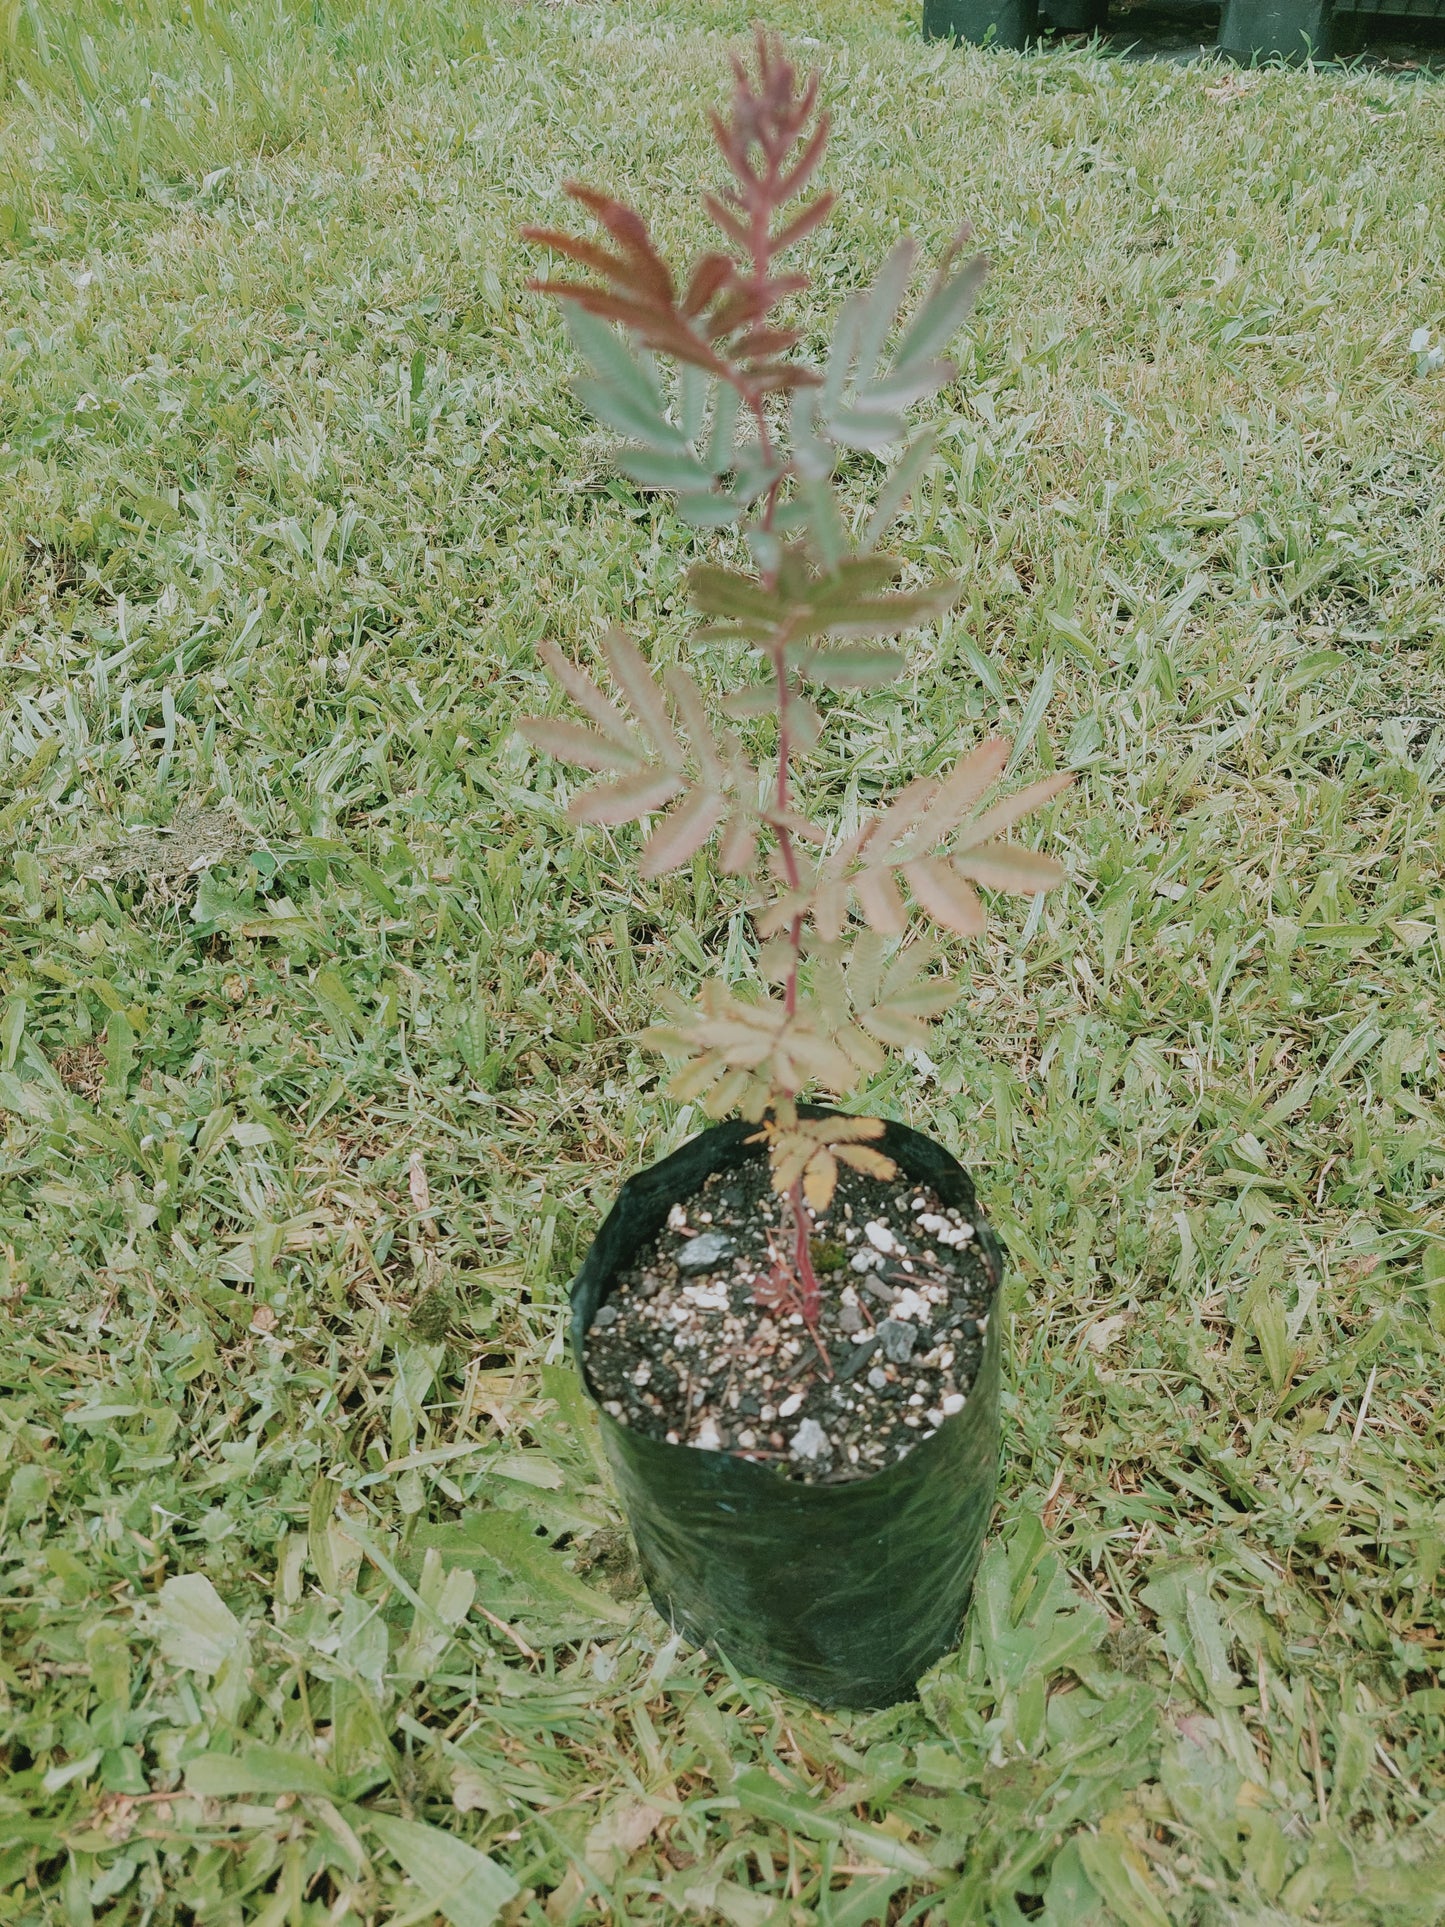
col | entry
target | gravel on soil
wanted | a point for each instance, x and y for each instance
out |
(683, 1350)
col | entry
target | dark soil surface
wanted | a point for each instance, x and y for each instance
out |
(683, 1350)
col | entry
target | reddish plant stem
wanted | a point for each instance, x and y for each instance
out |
(795, 1206)
(811, 1299)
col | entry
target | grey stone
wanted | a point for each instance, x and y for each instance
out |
(705, 1252)
(850, 1319)
(859, 1356)
(605, 1315)
(878, 1378)
(897, 1339)
(810, 1441)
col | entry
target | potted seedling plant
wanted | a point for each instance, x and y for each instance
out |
(788, 1325)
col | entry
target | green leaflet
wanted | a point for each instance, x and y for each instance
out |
(507, 1540)
(768, 1799)
(257, 1769)
(467, 1886)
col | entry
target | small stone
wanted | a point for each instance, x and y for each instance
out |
(970, 1327)
(605, 1315)
(881, 1238)
(648, 1285)
(747, 1440)
(706, 1251)
(810, 1441)
(862, 1351)
(916, 1399)
(850, 1319)
(877, 1378)
(708, 1437)
(677, 1219)
(897, 1339)
(642, 1374)
(910, 1306)
(614, 1406)
(866, 1261)
(952, 1402)
(792, 1403)
(934, 1418)
(673, 1439)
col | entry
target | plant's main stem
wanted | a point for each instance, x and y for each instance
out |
(796, 1211)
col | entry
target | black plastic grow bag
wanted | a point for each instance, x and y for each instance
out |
(843, 1593)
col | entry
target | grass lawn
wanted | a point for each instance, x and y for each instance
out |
(315, 1607)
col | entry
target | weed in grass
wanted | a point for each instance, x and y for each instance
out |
(309, 444)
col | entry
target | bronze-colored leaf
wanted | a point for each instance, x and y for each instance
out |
(681, 833)
(820, 1180)
(586, 694)
(880, 902)
(947, 897)
(635, 680)
(739, 844)
(1010, 809)
(570, 743)
(874, 1163)
(1008, 866)
(969, 779)
(626, 799)
(693, 711)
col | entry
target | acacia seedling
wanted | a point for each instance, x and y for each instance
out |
(703, 376)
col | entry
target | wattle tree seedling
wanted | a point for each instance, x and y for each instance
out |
(703, 376)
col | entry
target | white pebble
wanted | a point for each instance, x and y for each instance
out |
(747, 1440)
(810, 1441)
(708, 1438)
(934, 1418)
(916, 1399)
(910, 1307)
(677, 1219)
(952, 1230)
(952, 1402)
(867, 1261)
(642, 1374)
(881, 1238)
(792, 1403)
(768, 1414)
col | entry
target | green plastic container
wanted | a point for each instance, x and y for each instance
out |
(992, 23)
(842, 1593)
(1266, 30)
